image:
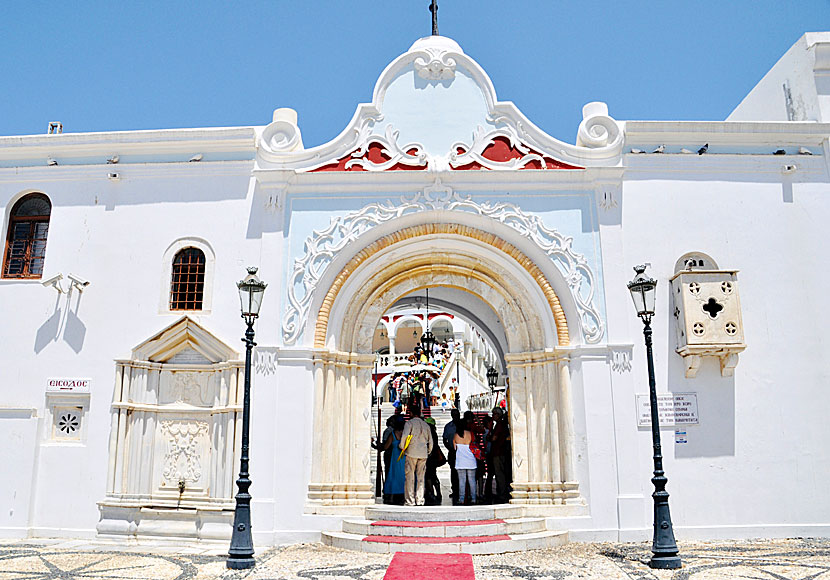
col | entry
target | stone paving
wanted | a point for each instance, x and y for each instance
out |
(794, 559)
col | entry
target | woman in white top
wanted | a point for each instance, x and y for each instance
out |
(465, 463)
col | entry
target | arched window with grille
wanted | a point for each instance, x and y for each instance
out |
(187, 285)
(26, 239)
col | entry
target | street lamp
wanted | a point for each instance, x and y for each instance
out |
(663, 547)
(241, 552)
(492, 378)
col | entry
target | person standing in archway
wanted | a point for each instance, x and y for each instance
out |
(416, 445)
(450, 430)
(393, 487)
(500, 452)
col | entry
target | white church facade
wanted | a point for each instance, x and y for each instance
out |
(122, 366)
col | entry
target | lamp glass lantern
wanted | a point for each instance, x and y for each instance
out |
(643, 292)
(251, 291)
(492, 377)
(428, 339)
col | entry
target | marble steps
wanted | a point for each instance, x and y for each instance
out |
(446, 530)
(493, 544)
(444, 513)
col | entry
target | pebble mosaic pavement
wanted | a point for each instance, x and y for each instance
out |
(795, 559)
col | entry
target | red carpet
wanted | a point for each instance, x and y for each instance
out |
(406, 566)
(403, 524)
(427, 540)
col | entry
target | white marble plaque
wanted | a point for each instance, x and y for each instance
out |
(673, 408)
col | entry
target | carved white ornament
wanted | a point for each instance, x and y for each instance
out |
(435, 64)
(280, 135)
(391, 149)
(185, 388)
(323, 246)
(607, 201)
(597, 128)
(620, 360)
(184, 442)
(482, 140)
(265, 360)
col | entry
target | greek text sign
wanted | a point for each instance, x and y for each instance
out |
(673, 409)
(66, 384)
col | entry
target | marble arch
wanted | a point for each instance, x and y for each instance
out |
(454, 229)
(497, 273)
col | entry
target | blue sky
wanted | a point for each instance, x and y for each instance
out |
(107, 66)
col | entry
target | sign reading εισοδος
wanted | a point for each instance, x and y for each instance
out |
(672, 408)
(68, 384)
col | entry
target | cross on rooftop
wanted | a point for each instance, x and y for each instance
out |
(434, 9)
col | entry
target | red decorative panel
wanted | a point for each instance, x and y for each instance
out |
(375, 155)
(500, 150)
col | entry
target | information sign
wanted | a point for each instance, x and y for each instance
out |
(673, 409)
(75, 385)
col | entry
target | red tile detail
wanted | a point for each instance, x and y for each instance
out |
(408, 566)
(415, 540)
(401, 524)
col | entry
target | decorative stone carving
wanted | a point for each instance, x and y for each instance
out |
(597, 129)
(620, 359)
(265, 360)
(66, 417)
(435, 63)
(186, 441)
(380, 153)
(438, 60)
(708, 312)
(67, 423)
(500, 149)
(323, 246)
(174, 437)
(186, 388)
(607, 201)
(283, 134)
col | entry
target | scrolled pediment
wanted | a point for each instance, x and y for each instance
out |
(435, 108)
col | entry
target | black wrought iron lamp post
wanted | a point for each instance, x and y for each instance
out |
(663, 547)
(241, 552)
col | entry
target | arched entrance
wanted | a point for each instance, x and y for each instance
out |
(499, 275)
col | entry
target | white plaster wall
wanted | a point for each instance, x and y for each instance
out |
(18, 432)
(113, 234)
(757, 464)
(767, 102)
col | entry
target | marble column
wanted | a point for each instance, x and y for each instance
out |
(566, 430)
(340, 469)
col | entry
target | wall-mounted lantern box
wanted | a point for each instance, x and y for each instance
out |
(707, 307)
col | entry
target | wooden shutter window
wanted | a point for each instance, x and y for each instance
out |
(26, 240)
(187, 285)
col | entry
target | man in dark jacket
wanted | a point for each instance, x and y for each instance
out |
(432, 493)
(500, 451)
(450, 430)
